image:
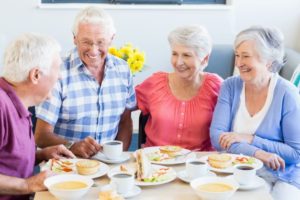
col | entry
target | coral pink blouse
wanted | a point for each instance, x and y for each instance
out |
(176, 122)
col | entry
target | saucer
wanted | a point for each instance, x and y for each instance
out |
(183, 176)
(134, 192)
(100, 156)
(257, 182)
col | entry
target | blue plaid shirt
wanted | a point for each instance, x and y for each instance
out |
(80, 107)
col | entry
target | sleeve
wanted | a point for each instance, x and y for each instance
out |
(131, 100)
(289, 148)
(222, 117)
(50, 108)
(2, 128)
(143, 94)
(222, 120)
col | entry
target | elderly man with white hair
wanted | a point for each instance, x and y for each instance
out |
(92, 102)
(31, 68)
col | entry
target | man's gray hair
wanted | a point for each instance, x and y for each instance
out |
(192, 36)
(97, 16)
(269, 44)
(26, 52)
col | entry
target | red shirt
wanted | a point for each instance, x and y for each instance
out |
(17, 145)
(178, 122)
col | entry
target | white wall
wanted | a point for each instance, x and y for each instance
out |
(148, 29)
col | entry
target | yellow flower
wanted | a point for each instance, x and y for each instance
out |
(135, 58)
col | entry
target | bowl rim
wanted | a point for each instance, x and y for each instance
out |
(48, 182)
(194, 183)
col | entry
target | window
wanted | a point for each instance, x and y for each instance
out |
(137, 1)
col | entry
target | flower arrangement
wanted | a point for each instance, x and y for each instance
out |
(135, 58)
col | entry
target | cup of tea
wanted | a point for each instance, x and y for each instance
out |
(113, 149)
(244, 174)
(123, 182)
(195, 168)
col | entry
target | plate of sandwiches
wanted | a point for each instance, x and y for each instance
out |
(146, 174)
(224, 162)
(168, 155)
(85, 167)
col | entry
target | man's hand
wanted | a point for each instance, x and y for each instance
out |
(56, 152)
(228, 138)
(271, 160)
(86, 148)
(36, 183)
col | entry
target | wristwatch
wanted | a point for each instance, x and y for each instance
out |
(69, 144)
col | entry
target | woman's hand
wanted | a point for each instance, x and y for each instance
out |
(228, 138)
(271, 160)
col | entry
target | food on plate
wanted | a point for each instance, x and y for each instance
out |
(123, 168)
(87, 167)
(143, 165)
(170, 150)
(215, 187)
(61, 165)
(220, 161)
(69, 185)
(244, 160)
(109, 195)
(145, 171)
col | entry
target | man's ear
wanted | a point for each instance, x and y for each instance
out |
(74, 40)
(34, 75)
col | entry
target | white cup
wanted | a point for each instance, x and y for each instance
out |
(195, 168)
(123, 182)
(113, 149)
(244, 174)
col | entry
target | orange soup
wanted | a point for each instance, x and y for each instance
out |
(69, 185)
(215, 187)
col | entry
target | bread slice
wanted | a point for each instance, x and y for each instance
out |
(220, 161)
(109, 195)
(87, 167)
(170, 150)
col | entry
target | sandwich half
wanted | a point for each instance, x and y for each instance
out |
(143, 165)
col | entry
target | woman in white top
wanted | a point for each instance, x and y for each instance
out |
(258, 112)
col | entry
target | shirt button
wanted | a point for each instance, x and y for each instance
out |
(178, 136)
(182, 113)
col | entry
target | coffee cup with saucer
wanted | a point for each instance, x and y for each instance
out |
(113, 149)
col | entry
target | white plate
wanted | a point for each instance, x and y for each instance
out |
(182, 175)
(103, 169)
(134, 192)
(171, 176)
(100, 156)
(171, 161)
(257, 182)
(257, 164)
(130, 169)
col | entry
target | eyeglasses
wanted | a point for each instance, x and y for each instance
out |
(89, 44)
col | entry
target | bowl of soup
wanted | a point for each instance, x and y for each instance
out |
(68, 186)
(214, 188)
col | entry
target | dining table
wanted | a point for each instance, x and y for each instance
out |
(175, 190)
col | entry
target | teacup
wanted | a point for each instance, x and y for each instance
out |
(244, 174)
(113, 149)
(195, 168)
(123, 182)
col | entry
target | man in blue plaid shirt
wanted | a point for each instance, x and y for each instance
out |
(92, 102)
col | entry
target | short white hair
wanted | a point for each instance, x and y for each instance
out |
(269, 44)
(26, 52)
(97, 16)
(193, 36)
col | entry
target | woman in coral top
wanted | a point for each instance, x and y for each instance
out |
(181, 104)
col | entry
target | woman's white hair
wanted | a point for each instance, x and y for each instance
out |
(193, 36)
(97, 16)
(26, 52)
(269, 44)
